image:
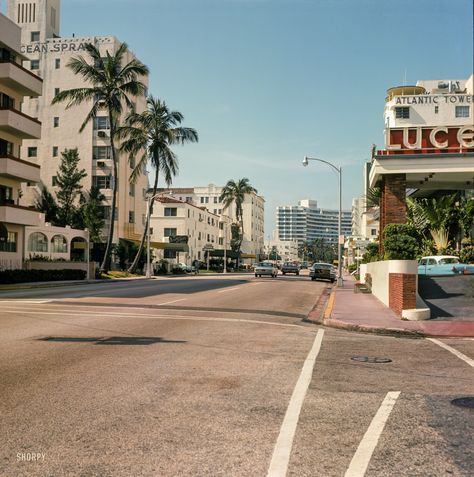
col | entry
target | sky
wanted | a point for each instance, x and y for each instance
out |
(266, 82)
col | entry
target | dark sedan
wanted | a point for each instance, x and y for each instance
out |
(323, 271)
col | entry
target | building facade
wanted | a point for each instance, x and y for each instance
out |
(286, 249)
(306, 222)
(48, 54)
(16, 83)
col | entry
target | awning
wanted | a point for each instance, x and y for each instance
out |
(220, 253)
(248, 255)
(178, 247)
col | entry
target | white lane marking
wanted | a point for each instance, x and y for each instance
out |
(228, 289)
(281, 453)
(457, 353)
(361, 459)
(100, 314)
(169, 302)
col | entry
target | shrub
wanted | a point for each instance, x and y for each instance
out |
(371, 253)
(401, 229)
(402, 242)
(467, 254)
(23, 276)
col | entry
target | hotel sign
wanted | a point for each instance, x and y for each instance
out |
(441, 139)
(53, 47)
(435, 99)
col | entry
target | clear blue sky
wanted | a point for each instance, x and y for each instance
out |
(267, 81)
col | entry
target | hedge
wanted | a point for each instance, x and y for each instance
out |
(22, 276)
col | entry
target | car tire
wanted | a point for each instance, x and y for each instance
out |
(256, 275)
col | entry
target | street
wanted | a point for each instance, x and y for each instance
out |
(194, 375)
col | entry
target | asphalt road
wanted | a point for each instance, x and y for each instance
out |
(200, 375)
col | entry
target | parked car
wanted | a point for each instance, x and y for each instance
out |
(443, 265)
(265, 268)
(322, 271)
(290, 267)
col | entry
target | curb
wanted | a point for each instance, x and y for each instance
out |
(317, 314)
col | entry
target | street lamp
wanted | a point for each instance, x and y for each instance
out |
(339, 252)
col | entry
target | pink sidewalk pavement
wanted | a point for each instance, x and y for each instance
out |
(364, 312)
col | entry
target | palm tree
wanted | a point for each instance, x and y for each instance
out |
(234, 193)
(152, 133)
(110, 85)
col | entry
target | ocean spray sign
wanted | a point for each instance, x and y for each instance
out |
(53, 47)
(435, 99)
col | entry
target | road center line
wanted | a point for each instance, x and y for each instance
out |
(361, 459)
(169, 302)
(457, 353)
(228, 289)
(281, 453)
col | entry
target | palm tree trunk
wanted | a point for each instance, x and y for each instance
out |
(134, 265)
(108, 250)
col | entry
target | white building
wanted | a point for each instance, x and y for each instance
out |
(181, 231)
(48, 55)
(286, 249)
(15, 84)
(253, 213)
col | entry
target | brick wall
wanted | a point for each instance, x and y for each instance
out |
(402, 292)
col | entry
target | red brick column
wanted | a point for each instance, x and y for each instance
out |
(401, 292)
(393, 206)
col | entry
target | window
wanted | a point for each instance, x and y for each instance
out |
(102, 182)
(32, 151)
(373, 231)
(131, 217)
(101, 152)
(55, 151)
(436, 109)
(131, 161)
(215, 200)
(402, 112)
(199, 235)
(59, 244)
(202, 200)
(6, 195)
(6, 101)
(169, 253)
(170, 232)
(171, 211)
(6, 147)
(221, 240)
(462, 111)
(56, 91)
(55, 122)
(54, 181)
(34, 65)
(101, 122)
(131, 191)
(37, 242)
(35, 36)
(9, 245)
(57, 63)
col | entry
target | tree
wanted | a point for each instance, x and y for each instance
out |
(151, 134)
(92, 213)
(234, 193)
(110, 84)
(46, 204)
(69, 178)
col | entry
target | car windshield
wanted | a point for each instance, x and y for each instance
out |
(322, 265)
(449, 260)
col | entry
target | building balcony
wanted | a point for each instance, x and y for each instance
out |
(17, 214)
(19, 79)
(19, 124)
(18, 169)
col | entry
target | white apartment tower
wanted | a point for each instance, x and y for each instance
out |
(48, 54)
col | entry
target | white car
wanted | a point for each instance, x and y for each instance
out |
(265, 268)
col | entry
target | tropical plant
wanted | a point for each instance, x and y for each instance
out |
(46, 204)
(111, 82)
(92, 213)
(371, 253)
(401, 242)
(151, 134)
(373, 197)
(234, 193)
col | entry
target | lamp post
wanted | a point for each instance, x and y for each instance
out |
(339, 171)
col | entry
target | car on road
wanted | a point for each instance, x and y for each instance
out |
(322, 271)
(265, 268)
(443, 265)
(290, 267)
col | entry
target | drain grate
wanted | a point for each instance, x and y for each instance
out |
(464, 402)
(371, 359)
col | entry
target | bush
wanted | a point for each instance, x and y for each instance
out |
(467, 255)
(401, 229)
(371, 253)
(23, 276)
(402, 242)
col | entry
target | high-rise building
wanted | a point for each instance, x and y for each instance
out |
(48, 54)
(306, 221)
(15, 127)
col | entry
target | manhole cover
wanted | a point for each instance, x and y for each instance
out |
(464, 402)
(371, 359)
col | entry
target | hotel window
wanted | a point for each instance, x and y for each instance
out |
(171, 211)
(215, 200)
(402, 112)
(462, 111)
(35, 36)
(131, 191)
(54, 181)
(57, 63)
(37, 242)
(6, 147)
(55, 122)
(6, 195)
(170, 232)
(101, 122)
(55, 151)
(169, 253)
(59, 244)
(436, 109)
(32, 152)
(34, 65)
(10, 244)
(131, 217)
(101, 152)
(101, 182)
(131, 161)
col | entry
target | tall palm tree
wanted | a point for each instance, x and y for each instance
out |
(234, 193)
(111, 83)
(151, 134)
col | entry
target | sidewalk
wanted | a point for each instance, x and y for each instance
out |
(364, 312)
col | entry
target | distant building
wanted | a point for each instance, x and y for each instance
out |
(306, 221)
(286, 249)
